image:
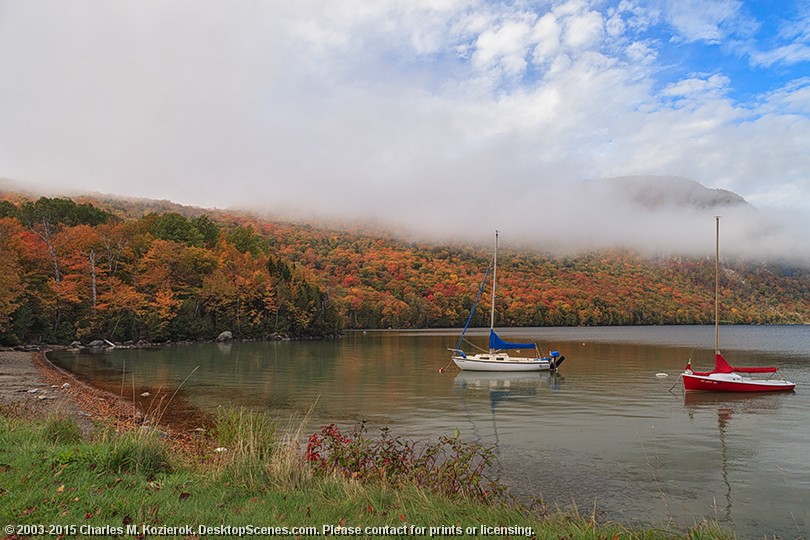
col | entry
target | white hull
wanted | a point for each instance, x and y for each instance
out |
(500, 363)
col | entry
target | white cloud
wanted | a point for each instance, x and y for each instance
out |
(547, 37)
(785, 196)
(701, 20)
(504, 48)
(793, 98)
(792, 53)
(584, 30)
(697, 88)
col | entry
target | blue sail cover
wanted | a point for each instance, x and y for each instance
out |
(496, 342)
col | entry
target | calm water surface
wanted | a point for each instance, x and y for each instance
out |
(605, 432)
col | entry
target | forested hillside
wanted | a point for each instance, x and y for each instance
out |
(384, 282)
(76, 271)
(123, 270)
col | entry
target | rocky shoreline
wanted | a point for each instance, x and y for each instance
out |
(99, 344)
(31, 385)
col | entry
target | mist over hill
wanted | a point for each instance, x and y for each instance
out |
(660, 216)
(654, 215)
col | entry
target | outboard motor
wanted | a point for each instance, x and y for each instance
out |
(556, 360)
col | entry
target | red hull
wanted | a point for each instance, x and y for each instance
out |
(707, 383)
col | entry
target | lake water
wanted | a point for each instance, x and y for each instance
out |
(605, 433)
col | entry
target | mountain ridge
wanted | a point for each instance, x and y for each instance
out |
(654, 192)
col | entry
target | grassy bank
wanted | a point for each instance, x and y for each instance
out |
(250, 478)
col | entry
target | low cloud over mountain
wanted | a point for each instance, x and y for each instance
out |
(655, 214)
(667, 192)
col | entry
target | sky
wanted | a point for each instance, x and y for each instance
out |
(435, 118)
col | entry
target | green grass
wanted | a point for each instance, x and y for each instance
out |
(50, 476)
(61, 430)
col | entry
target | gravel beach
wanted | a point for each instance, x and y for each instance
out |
(30, 384)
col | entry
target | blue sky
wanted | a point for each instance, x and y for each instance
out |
(419, 115)
(759, 45)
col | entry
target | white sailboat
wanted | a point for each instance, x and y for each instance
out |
(498, 357)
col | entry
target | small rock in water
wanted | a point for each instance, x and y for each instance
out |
(145, 394)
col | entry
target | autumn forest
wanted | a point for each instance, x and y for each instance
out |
(100, 268)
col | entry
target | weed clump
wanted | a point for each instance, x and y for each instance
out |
(449, 467)
(136, 451)
(61, 430)
(248, 439)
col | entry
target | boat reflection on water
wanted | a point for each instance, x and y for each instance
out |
(488, 398)
(727, 406)
(742, 401)
(505, 386)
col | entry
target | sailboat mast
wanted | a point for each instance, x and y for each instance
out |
(494, 278)
(717, 287)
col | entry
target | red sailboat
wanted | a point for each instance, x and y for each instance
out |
(725, 377)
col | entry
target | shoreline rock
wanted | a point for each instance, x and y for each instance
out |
(103, 345)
